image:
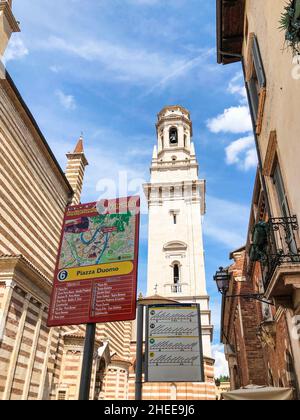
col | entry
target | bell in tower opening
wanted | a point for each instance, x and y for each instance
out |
(173, 136)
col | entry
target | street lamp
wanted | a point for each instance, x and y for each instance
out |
(222, 278)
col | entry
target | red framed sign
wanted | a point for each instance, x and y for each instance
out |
(96, 271)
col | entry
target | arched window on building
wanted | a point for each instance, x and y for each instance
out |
(173, 392)
(173, 136)
(100, 377)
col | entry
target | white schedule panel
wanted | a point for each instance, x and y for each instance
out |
(173, 344)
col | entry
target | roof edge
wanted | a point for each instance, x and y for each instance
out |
(38, 130)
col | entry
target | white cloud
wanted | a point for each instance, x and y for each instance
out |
(221, 365)
(16, 49)
(67, 101)
(181, 70)
(124, 62)
(226, 222)
(242, 153)
(233, 120)
(236, 87)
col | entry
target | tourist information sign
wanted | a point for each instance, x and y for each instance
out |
(96, 273)
(174, 344)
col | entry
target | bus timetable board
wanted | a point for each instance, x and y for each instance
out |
(96, 272)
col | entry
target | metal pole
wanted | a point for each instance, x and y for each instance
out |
(139, 353)
(87, 364)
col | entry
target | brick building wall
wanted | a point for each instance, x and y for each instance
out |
(241, 320)
(260, 352)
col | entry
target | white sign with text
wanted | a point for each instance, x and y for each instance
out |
(174, 344)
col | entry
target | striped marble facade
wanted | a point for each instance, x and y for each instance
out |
(175, 391)
(37, 362)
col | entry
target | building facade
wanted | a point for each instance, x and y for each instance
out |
(248, 31)
(176, 201)
(36, 362)
(256, 334)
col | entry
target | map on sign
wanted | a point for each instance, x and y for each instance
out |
(95, 278)
(101, 239)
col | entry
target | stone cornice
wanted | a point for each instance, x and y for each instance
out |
(175, 118)
(173, 107)
(80, 156)
(173, 166)
(20, 269)
(198, 182)
(120, 362)
(6, 9)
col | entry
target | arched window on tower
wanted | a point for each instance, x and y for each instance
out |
(176, 288)
(173, 136)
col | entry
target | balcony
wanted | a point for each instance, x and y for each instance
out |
(176, 288)
(275, 246)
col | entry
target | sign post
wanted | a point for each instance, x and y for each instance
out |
(95, 278)
(87, 363)
(139, 353)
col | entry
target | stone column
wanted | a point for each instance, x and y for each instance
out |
(33, 354)
(15, 352)
(45, 366)
(9, 288)
(79, 374)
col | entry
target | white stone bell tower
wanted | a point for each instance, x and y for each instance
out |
(176, 200)
(8, 24)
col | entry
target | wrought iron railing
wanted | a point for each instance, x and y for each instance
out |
(281, 247)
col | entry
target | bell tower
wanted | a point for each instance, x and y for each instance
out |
(8, 24)
(176, 202)
(174, 133)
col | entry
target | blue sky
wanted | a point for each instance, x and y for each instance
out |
(106, 68)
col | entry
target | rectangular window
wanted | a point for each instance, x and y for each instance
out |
(62, 396)
(258, 64)
(254, 94)
(280, 191)
(257, 83)
(284, 207)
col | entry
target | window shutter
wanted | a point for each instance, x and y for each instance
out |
(254, 99)
(258, 64)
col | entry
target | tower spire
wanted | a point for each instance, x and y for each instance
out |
(76, 165)
(8, 24)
